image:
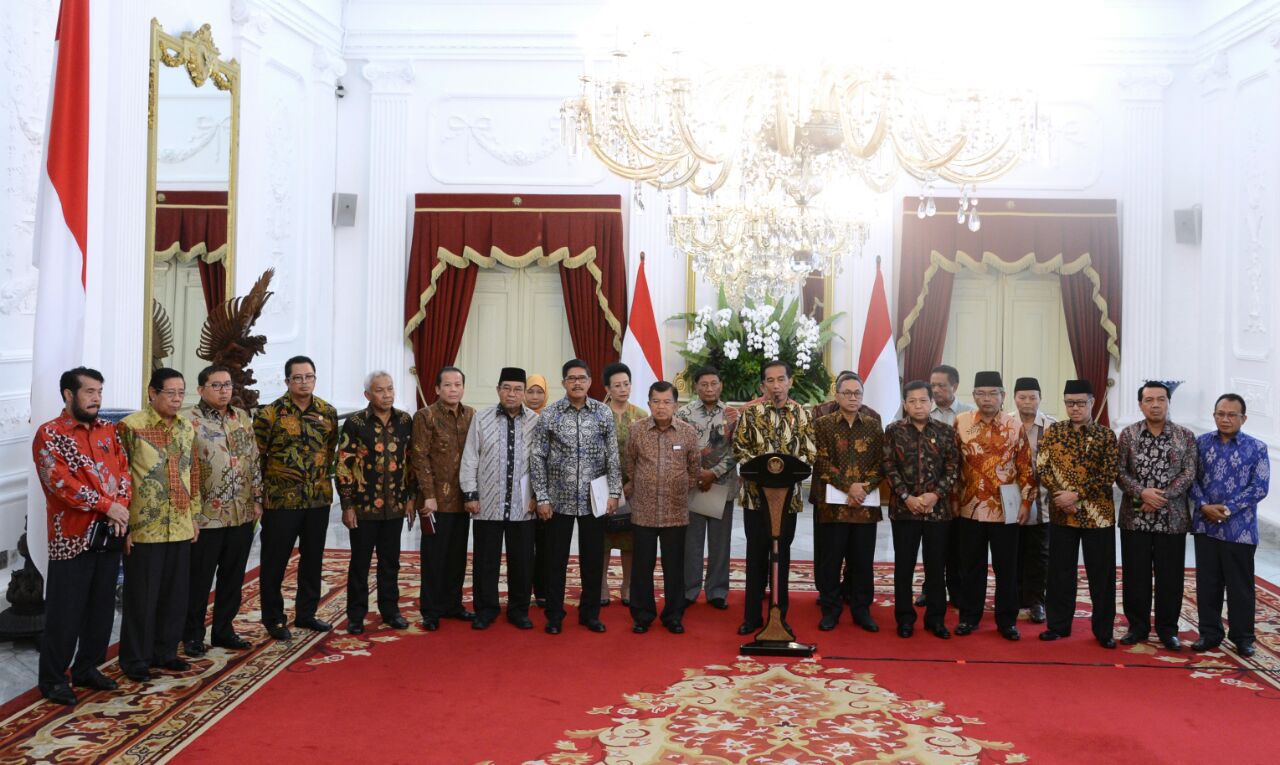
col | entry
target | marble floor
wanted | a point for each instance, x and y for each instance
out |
(19, 660)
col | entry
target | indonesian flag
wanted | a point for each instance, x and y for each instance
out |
(641, 349)
(878, 360)
(62, 214)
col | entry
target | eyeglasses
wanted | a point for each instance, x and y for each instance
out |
(1075, 404)
(1227, 415)
(850, 393)
(220, 386)
(299, 379)
(172, 393)
(576, 378)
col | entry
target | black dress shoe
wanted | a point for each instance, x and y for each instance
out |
(481, 624)
(1037, 614)
(355, 628)
(746, 628)
(1203, 645)
(1048, 635)
(137, 675)
(59, 694)
(313, 624)
(605, 602)
(463, 615)
(235, 643)
(1107, 642)
(431, 625)
(522, 622)
(1173, 643)
(396, 622)
(675, 628)
(906, 630)
(964, 628)
(540, 602)
(867, 623)
(193, 648)
(95, 680)
(1010, 633)
(1132, 638)
(639, 629)
(280, 632)
(174, 665)
(939, 630)
(718, 603)
(828, 623)
(595, 625)
(1247, 650)
(920, 601)
(626, 601)
(552, 628)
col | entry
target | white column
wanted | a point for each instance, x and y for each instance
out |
(320, 173)
(1142, 211)
(646, 226)
(388, 216)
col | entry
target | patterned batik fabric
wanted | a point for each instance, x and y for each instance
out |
(165, 476)
(1167, 461)
(1040, 508)
(83, 469)
(571, 448)
(663, 464)
(715, 439)
(992, 454)
(764, 428)
(1084, 461)
(438, 437)
(1236, 474)
(298, 452)
(918, 462)
(230, 469)
(495, 463)
(375, 476)
(847, 453)
(622, 429)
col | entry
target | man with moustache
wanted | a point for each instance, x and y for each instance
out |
(439, 433)
(231, 487)
(1033, 536)
(84, 473)
(377, 489)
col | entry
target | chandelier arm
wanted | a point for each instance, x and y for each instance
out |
(715, 185)
(868, 150)
(647, 173)
(918, 166)
(981, 159)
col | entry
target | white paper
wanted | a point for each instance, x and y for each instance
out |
(710, 502)
(600, 498)
(837, 497)
(526, 491)
(1011, 501)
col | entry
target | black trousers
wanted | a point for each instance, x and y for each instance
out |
(383, 536)
(756, 525)
(952, 571)
(1142, 554)
(976, 537)
(839, 547)
(1033, 564)
(644, 555)
(1226, 565)
(590, 565)
(1065, 543)
(79, 605)
(224, 552)
(444, 566)
(281, 529)
(540, 548)
(486, 567)
(908, 538)
(156, 578)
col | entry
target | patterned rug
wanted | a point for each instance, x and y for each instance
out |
(754, 712)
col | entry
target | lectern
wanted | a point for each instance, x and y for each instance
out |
(777, 475)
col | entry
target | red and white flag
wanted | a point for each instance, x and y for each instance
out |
(878, 360)
(60, 252)
(641, 348)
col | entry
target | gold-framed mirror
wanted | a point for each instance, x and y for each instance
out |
(193, 131)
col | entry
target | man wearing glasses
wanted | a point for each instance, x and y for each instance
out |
(1077, 463)
(1232, 479)
(297, 437)
(231, 489)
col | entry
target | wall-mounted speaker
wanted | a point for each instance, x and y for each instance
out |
(344, 209)
(1186, 225)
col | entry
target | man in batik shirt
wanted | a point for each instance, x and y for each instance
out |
(1077, 464)
(231, 486)
(1233, 477)
(776, 424)
(1033, 536)
(849, 457)
(1157, 467)
(166, 497)
(993, 453)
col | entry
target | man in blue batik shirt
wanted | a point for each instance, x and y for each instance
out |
(1230, 482)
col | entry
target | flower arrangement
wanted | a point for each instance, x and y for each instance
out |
(739, 342)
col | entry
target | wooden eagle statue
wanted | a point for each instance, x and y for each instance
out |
(161, 335)
(225, 339)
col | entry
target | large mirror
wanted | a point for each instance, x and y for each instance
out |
(193, 124)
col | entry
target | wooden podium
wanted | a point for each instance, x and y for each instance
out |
(777, 475)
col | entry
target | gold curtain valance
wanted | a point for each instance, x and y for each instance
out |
(198, 250)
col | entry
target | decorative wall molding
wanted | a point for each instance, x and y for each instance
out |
(1212, 73)
(327, 65)
(1144, 83)
(15, 416)
(252, 21)
(1256, 394)
(389, 77)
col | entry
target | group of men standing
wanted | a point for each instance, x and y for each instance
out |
(179, 494)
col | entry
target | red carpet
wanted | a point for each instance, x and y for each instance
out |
(506, 696)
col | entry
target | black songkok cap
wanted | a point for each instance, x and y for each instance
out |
(511, 374)
(988, 380)
(1026, 383)
(1077, 386)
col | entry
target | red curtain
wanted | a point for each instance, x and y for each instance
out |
(1011, 230)
(191, 218)
(516, 226)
